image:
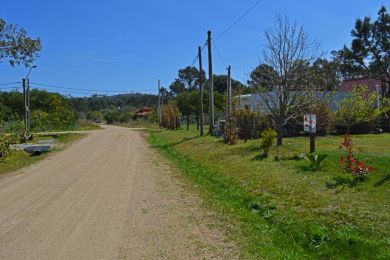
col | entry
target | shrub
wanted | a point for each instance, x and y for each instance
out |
(325, 116)
(124, 117)
(95, 116)
(350, 164)
(5, 142)
(358, 107)
(315, 160)
(231, 134)
(13, 126)
(111, 116)
(40, 120)
(170, 116)
(267, 139)
(250, 123)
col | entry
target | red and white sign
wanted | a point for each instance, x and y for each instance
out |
(310, 123)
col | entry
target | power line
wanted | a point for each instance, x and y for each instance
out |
(219, 55)
(9, 83)
(65, 91)
(238, 20)
(197, 56)
(194, 61)
(89, 90)
(14, 87)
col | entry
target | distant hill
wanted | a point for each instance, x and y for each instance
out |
(124, 102)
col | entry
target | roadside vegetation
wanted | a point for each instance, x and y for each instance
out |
(15, 160)
(276, 206)
(282, 201)
(49, 112)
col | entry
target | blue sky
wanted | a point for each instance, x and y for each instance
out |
(128, 45)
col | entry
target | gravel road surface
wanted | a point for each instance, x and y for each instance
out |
(107, 196)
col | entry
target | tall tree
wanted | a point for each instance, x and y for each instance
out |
(189, 76)
(261, 76)
(287, 74)
(16, 46)
(188, 104)
(177, 87)
(220, 84)
(326, 74)
(369, 53)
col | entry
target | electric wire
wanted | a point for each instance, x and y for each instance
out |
(89, 90)
(11, 87)
(237, 20)
(219, 54)
(9, 83)
(197, 55)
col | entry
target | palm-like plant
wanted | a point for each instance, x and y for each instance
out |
(315, 160)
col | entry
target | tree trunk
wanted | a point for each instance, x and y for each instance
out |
(197, 122)
(279, 139)
(279, 131)
(188, 123)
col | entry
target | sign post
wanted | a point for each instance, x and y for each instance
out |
(309, 124)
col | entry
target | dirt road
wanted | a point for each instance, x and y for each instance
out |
(108, 196)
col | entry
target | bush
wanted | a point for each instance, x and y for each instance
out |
(124, 117)
(95, 116)
(170, 116)
(111, 116)
(40, 120)
(250, 123)
(325, 117)
(350, 164)
(14, 126)
(5, 142)
(231, 135)
(267, 140)
(358, 107)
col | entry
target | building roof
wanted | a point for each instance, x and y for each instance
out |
(349, 84)
(145, 109)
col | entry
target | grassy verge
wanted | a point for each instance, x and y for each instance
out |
(279, 209)
(19, 159)
(137, 124)
(88, 127)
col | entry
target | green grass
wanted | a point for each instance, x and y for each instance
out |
(19, 159)
(88, 127)
(278, 209)
(138, 124)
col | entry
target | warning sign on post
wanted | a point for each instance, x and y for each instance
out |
(310, 123)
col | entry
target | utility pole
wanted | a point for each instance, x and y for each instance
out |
(201, 92)
(211, 87)
(25, 105)
(26, 99)
(28, 107)
(229, 93)
(159, 103)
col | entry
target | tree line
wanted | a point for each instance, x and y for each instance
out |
(294, 78)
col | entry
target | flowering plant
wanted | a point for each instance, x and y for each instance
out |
(349, 163)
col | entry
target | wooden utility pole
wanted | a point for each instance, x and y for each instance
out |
(25, 105)
(26, 100)
(229, 93)
(211, 86)
(159, 104)
(201, 91)
(28, 107)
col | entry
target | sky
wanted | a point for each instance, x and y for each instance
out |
(127, 45)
